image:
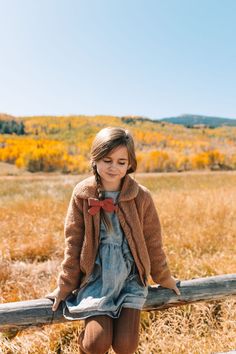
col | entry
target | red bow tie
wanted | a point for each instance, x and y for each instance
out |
(96, 205)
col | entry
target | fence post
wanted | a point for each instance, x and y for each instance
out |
(38, 312)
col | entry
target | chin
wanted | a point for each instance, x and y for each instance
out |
(112, 176)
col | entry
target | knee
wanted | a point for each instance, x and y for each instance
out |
(125, 346)
(96, 348)
(96, 345)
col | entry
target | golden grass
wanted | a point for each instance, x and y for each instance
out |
(197, 213)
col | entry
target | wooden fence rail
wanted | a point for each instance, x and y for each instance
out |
(22, 314)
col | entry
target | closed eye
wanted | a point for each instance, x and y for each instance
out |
(108, 161)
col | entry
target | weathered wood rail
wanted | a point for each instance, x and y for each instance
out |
(18, 315)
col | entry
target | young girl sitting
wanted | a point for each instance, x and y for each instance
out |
(113, 244)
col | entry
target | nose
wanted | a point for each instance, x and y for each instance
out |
(113, 165)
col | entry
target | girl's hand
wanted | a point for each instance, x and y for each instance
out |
(55, 295)
(170, 283)
(56, 304)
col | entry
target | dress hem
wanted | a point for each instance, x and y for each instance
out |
(100, 313)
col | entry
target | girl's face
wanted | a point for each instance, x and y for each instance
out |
(113, 167)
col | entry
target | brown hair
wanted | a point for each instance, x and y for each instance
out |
(106, 140)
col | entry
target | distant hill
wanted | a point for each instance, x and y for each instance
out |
(191, 121)
(5, 116)
(187, 120)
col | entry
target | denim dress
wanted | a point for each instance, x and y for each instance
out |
(114, 282)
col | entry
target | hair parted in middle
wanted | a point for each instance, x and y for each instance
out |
(106, 140)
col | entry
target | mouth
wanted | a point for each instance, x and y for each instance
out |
(112, 175)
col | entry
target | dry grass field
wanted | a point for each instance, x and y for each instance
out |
(197, 213)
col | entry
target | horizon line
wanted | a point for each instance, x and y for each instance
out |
(113, 115)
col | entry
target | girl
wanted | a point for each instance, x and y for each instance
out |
(113, 243)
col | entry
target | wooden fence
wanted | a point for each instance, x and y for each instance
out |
(15, 316)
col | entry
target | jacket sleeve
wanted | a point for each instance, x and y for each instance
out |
(152, 232)
(68, 279)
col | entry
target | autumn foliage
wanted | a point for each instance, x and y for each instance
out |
(63, 144)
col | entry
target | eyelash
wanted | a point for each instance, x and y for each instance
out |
(120, 163)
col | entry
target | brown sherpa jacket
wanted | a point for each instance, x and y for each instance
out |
(139, 220)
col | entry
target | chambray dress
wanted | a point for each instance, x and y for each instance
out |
(114, 282)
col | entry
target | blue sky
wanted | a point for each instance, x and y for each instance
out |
(153, 58)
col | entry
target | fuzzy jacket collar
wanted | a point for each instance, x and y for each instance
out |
(87, 188)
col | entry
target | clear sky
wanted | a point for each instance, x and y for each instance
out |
(153, 58)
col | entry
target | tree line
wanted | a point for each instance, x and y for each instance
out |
(12, 127)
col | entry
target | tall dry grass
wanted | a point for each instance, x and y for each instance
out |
(197, 213)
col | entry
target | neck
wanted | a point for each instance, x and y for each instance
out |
(111, 187)
(108, 187)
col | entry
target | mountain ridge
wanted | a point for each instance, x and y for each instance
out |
(188, 120)
(191, 120)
